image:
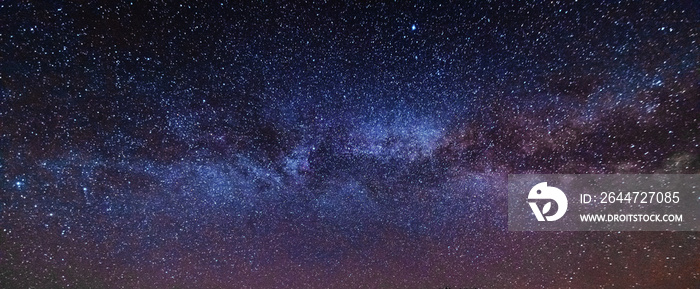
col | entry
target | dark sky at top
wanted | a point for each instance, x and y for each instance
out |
(303, 145)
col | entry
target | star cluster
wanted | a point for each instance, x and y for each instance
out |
(319, 145)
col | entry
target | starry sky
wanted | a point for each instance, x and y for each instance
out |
(347, 145)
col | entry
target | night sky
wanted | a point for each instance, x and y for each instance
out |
(343, 145)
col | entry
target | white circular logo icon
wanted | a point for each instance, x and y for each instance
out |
(542, 192)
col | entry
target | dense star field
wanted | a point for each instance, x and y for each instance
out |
(334, 145)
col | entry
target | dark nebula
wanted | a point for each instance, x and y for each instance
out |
(334, 145)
